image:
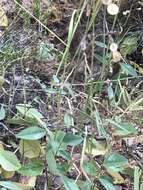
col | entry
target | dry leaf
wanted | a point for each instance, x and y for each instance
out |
(7, 174)
(3, 18)
(29, 181)
(118, 179)
(96, 150)
(116, 56)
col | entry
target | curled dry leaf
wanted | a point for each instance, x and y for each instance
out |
(116, 56)
(7, 174)
(117, 178)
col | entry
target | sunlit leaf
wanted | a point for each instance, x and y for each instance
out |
(30, 148)
(123, 129)
(64, 154)
(91, 168)
(9, 161)
(14, 186)
(10, 185)
(31, 133)
(68, 120)
(128, 69)
(3, 18)
(115, 162)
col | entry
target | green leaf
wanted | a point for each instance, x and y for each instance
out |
(52, 164)
(31, 133)
(34, 168)
(71, 139)
(101, 44)
(99, 124)
(68, 120)
(110, 92)
(2, 113)
(9, 161)
(30, 148)
(56, 79)
(128, 69)
(26, 121)
(103, 59)
(87, 186)
(28, 111)
(111, 95)
(55, 141)
(90, 168)
(15, 186)
(64, 154)
(63, 168)
(46, 52)
(115, 162)
(105, 181)
(59, 136)
(129, 45)
(69, 184)
(123, 129)
(10, 185)
(30, 115)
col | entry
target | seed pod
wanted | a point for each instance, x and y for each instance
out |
(113, 47)
(112, 9)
